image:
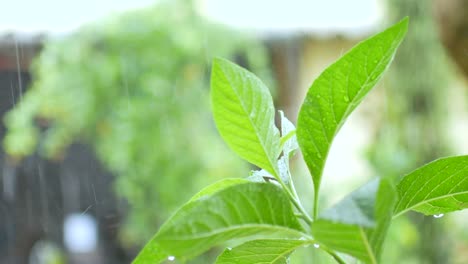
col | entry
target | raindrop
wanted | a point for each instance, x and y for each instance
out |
(316, 246)
(229, 248)
(18, 68)
(302, 238)
(171, 258)
(438, 215)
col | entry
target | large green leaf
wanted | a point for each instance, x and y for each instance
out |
(358, 224)
(265, 251)
(238, 211)
(338, 90)
(437, 187)
(217, 186)
(244, 114)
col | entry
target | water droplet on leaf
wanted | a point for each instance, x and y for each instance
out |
(316, 246)
(171, 258)
(438, 215)
(229, 248)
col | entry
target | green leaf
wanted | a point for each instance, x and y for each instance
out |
(272, 251)
(437, 187)
(338, 91)
(358, 224)
(239, 211)
(244, 114)
(217, 186)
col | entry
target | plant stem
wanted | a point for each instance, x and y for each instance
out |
(294, 197)
(316, 196)
(295, 200)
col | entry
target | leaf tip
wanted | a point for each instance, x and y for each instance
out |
(403, 24)
(219, 61)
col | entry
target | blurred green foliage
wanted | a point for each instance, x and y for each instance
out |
(135, 87)
(415, 111)
(414, 129)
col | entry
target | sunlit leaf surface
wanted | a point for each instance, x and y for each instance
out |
(265, 251)
(239, 211)
(244, 114)
(438, 187)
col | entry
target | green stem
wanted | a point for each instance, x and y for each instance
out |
(293, 197)
(295, 200)
(316, 197)
(292, 187)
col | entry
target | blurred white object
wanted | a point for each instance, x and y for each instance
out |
(330, 17)
(356, 17)
(80, 233)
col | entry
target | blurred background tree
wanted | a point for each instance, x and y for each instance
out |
(135, 87)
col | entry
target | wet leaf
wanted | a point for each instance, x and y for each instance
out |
(238, 211)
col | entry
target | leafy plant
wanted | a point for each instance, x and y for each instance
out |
(263, 214)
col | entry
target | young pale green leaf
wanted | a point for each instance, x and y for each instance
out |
(265, 176)
(437, 187)
(271, 251)
(259, 176)
(288, 136)
(283, 168)
(244, 114)
(238, 211)
(358, 224)
(337, 92)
